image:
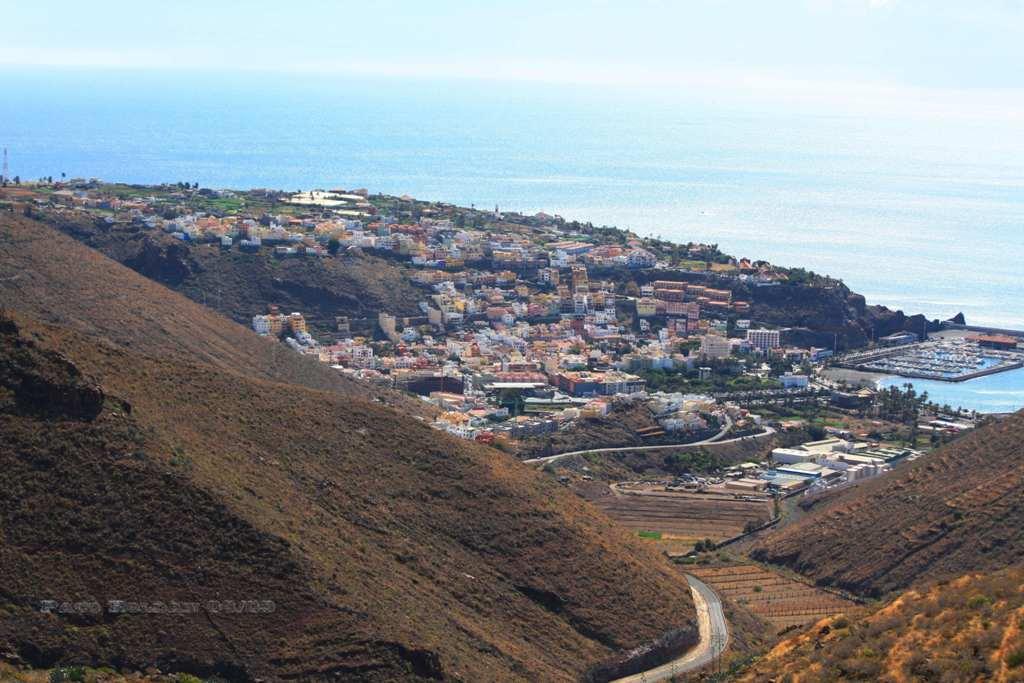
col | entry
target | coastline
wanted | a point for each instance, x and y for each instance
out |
(994, 393)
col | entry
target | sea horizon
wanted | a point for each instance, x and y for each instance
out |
(870, 201)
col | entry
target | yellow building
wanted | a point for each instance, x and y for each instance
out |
(580, 282)
(276, 323)
(297, 323)
(646, 307)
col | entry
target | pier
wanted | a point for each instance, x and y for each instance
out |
(947, 360)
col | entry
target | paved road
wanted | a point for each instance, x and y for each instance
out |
(717, 438)
(714, 638)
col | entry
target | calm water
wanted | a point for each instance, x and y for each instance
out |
(923, 215)
(999, 393)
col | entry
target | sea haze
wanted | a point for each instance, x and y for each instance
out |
(916, 213)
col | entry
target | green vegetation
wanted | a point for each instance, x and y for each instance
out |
(68, 673)
(654, 535)
(978, 601)
(700, 460)
(726, 376)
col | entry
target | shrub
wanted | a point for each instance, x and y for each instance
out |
(977, 601)
(1015, 658)
(75, 674)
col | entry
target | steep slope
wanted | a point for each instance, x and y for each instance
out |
(968, 629)
(55, 279)
(239, 285)
(157, 453)
(957, 510)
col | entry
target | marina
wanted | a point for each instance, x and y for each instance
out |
(946, 360)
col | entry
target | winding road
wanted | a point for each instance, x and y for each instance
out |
(714, 638)
(717, 438)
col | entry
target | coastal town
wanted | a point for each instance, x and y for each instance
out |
(678, 390)
(529, 326)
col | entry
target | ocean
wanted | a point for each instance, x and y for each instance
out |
(917, 213)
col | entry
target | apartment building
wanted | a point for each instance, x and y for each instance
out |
(764, 340)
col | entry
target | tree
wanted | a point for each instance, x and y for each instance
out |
(333, 245)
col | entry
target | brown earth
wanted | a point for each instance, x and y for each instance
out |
(779, 600)
(157, 452)
(968, 629)
(956, 510)
(240, 285)
(619, 428)
(685, 518)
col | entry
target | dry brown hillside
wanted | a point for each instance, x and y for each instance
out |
(156, 452)
(968, 629)
(239, 285)
(957, 510)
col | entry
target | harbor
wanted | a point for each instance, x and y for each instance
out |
(949, 359)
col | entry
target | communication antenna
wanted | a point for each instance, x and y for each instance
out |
(4, 173)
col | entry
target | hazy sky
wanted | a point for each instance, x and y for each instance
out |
(906, 53)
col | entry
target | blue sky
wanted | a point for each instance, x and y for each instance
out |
(848, 53)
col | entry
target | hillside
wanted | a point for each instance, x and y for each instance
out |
(158, 453)
(968, 629)
(240, 285)
(954, 511)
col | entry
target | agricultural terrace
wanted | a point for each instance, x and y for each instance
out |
(781, 601)
(676, 521)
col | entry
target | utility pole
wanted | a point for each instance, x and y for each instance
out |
(6, 172)
(717, 647)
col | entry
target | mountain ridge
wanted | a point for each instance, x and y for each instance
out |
(954, 511)
(223, 467)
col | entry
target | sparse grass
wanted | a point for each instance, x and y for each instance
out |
(965, 489)
(932, 634)
(302, 490)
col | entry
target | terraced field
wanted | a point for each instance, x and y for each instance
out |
(677, 521)
(956, 511)
(781, 601)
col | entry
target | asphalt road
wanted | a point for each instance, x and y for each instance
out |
(717, 438)
(714, 638)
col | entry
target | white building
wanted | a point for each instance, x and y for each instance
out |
(764, 339)
(641, 258)
(790, 456)
(261, 324)
(792, 381)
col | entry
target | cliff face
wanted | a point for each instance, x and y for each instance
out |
(814, 315)
(817, 316)
(240, 285)
(820, 316)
